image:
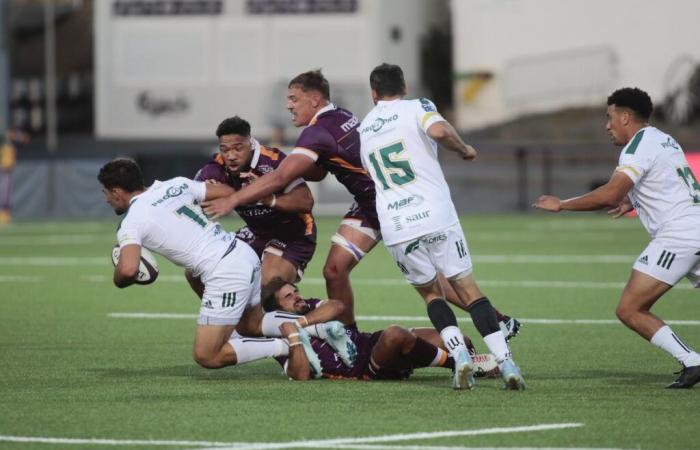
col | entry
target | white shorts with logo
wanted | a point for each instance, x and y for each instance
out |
(669, 261)
(444, 251)
(231, 287)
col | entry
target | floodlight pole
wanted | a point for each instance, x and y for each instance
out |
(4, 71)
(50, 75)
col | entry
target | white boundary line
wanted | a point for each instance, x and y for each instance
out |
(483, 259)
(143, 315)
(319, 443)
(432, 447)
(526, 284)
(348, 442)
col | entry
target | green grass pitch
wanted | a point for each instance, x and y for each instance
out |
(74, 376)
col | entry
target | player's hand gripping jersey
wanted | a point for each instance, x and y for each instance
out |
(666, 194)
(168, 220)
(412, 196)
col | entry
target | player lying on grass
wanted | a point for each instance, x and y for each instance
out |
(652, 177)
(389, 354)
(166, 218)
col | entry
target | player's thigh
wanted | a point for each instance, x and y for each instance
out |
(415, 262)
(209, 339)
(275, 266)
(350, 244)
(250, 323)
(641, 292)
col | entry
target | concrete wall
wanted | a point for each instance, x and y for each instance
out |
(514, 57)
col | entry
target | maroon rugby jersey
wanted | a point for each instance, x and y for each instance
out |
(333, 138)
(264, 222)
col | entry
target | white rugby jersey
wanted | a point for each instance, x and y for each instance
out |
(413, 198)
(168, 220)
(666, 193)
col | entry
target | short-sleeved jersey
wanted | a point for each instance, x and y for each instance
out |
(666, 194)
(413, 198)
(167, 219)
(263, 221)
(332, 141)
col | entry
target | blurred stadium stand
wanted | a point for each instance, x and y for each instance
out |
(151, 79)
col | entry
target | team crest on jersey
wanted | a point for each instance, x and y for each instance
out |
(670, 143)
(427, 105)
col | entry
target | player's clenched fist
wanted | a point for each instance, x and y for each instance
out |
(548, 203)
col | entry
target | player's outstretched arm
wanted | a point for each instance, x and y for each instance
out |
(610, 195)
(290, 169)
(297, 363)
(446, 135)
(217, 190)
(326, 311)
(127, 269)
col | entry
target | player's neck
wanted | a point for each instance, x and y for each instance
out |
(634, 128)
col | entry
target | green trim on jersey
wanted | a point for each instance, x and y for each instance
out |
(632, 147)
(125, 213)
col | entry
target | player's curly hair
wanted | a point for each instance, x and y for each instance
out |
(387, 80)
(635, 99)
(268, 297)
(122, 173)
(313, 80)
(233, 125)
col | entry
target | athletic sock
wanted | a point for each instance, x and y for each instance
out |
(271, 324)
(667, 340)
(445, 322)
(424, 354)
(252, 349)
(441, 358)
(484, 316)
(497, 345)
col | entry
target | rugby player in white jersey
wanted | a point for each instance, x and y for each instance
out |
(418, 220)
(167, 218)
(652, 177)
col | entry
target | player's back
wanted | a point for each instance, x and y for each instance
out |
(413, 198)
(168, 220)
(666, 194)
(332, 141)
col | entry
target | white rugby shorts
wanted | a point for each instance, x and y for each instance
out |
(231, 287)
(444, 251)
(669, 261)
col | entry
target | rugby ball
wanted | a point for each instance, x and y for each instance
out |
(148, 268)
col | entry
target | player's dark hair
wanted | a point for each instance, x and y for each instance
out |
(635, 99)
(122, 173)
(313, 80)
(387, 80)
(268, 297)
(233, 125)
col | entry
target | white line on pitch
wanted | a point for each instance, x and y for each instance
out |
(330, 443)
(533, 284)
(483, 259)
(347, 442)
(142, 315)
(50, 239)
(433, 447)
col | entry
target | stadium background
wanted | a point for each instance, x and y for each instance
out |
(525, 82)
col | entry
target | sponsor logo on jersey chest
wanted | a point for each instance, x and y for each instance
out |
(413, 200)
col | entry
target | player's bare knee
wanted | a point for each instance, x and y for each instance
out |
(205, 359)
(334, 272)
(624, 313)
(397, 336)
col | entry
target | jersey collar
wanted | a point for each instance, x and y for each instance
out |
(256, 152)
(328, 107)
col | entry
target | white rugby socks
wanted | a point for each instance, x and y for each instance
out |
(667, 340)
(497, 345)
(252, 349)
(454, 340)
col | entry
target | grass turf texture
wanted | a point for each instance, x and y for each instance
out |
(70, 370)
